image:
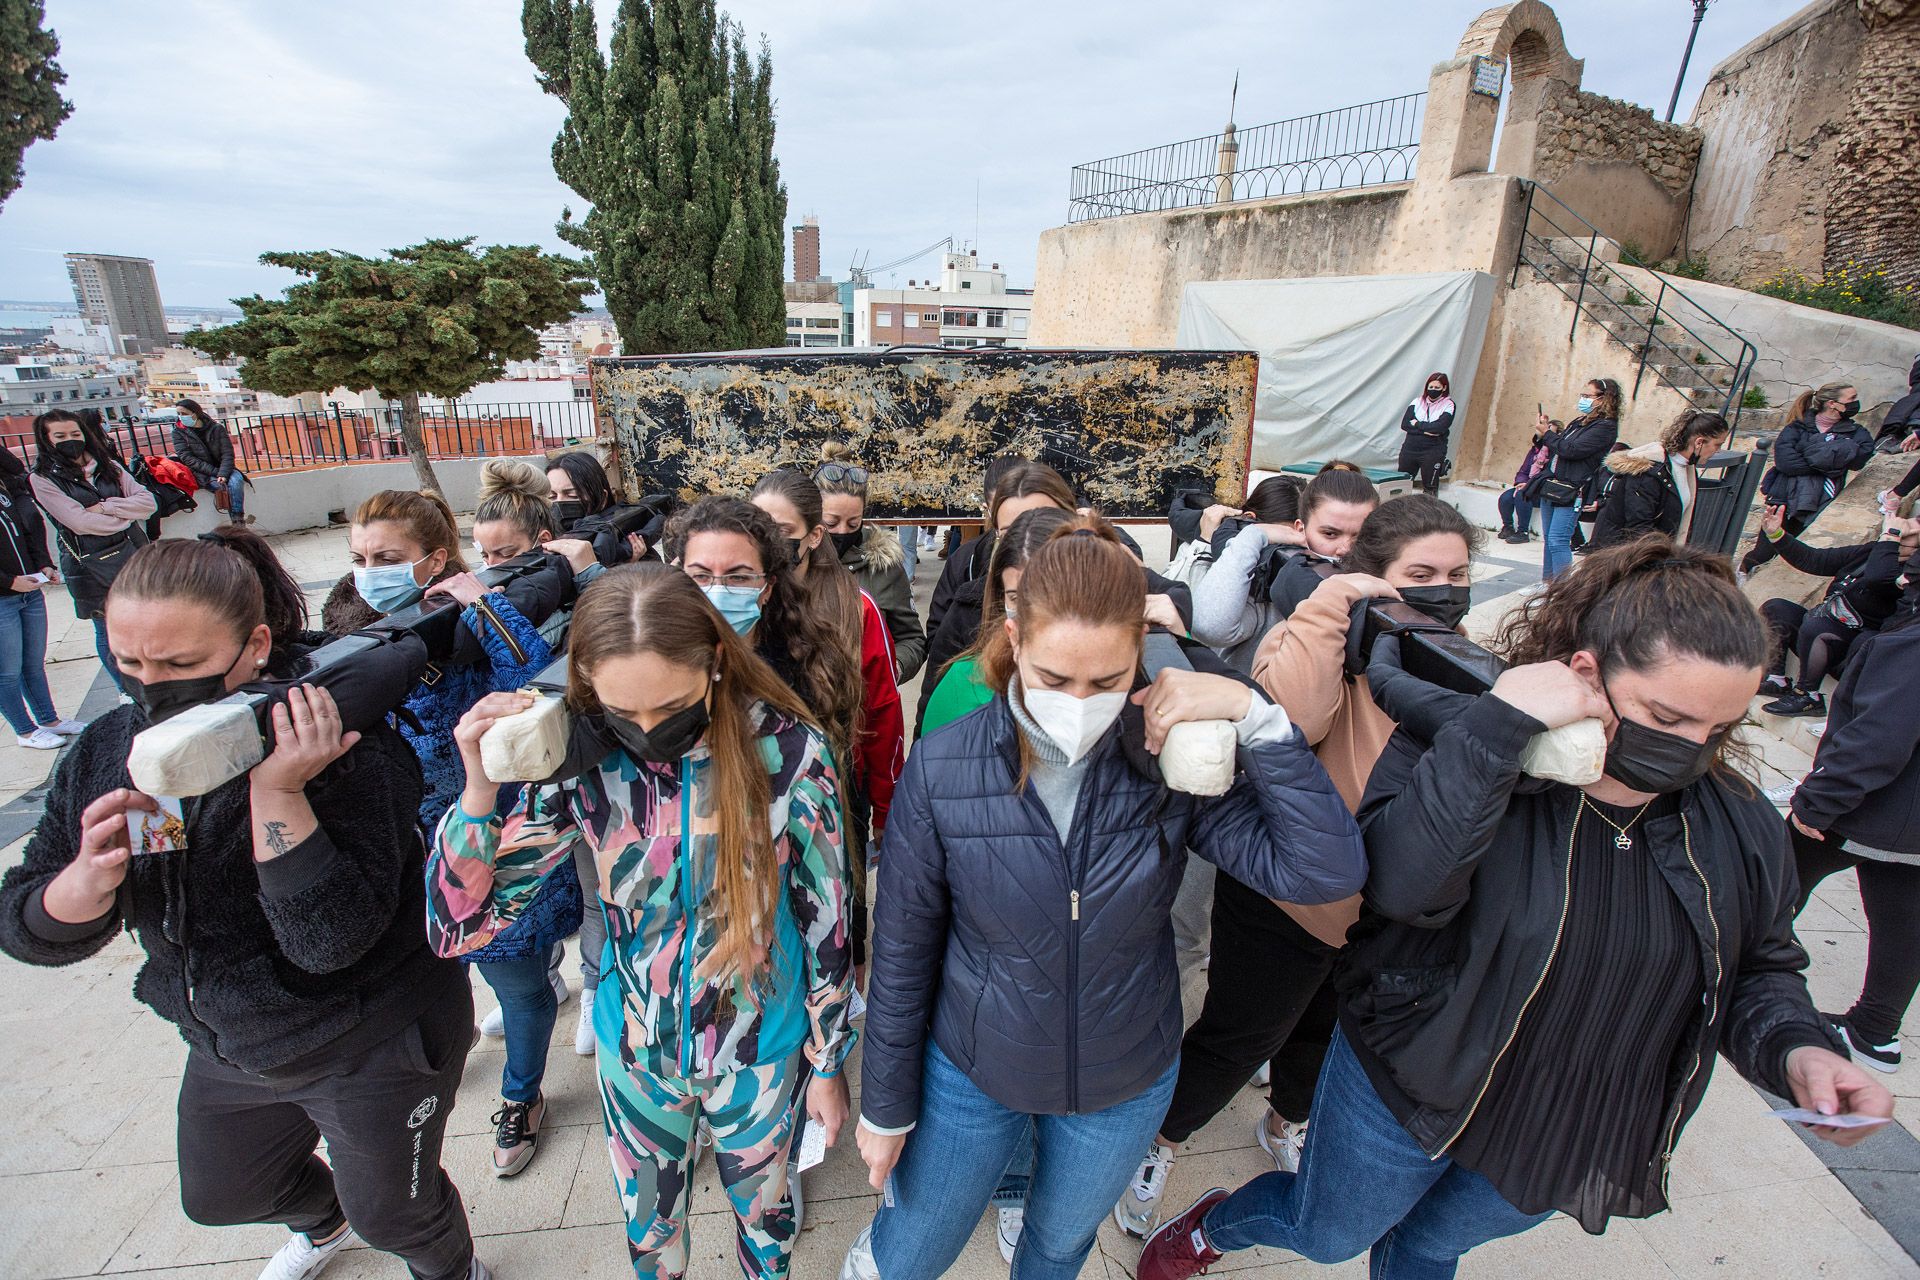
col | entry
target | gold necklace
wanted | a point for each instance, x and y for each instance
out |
(1621, 840)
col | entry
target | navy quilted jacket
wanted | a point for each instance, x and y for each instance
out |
(1053, 1005)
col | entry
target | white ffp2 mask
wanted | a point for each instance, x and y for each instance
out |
(1074, 724)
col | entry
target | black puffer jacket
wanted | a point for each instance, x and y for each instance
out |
(1468, 863)
(1865, 783)
(1641, 499)
(1810, 464)
(1046, 973)
(260, 964)
(207, 452)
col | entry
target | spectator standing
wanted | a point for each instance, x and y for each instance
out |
(1427, 422)
(26, 567)
(201, 443)
(97, 507)
(1573, 459)
(1653, 486)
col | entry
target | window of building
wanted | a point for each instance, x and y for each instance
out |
(966, 284)
(931, 320)
(1019, 322)
(961, 319)
(884, 319)
(913, 319)
(831, 323)
(793, 339)
(956, 342)
(996, 319)
(793, 322)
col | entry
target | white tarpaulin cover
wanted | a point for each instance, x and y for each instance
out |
(1341, 357)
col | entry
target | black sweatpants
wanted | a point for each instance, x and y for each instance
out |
(1268, 1000)
(1424, 466)
(247, 1144)
(1890, 892)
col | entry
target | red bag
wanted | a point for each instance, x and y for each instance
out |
(170, 472)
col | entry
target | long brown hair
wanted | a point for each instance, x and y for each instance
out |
(1028, 480)
(1635, 604)
(230, 571)
(1081, 573)
(1808, 402)
(651, 608)
(426, 517)
(817, 640)
(1692, 425)
(1607, 403)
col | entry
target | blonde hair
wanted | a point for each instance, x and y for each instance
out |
(517, 492)
(426, 517)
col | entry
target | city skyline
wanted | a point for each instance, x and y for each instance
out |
(368, 128)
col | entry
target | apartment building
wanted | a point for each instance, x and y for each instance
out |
(968, 306)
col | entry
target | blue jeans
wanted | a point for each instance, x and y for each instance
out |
(106, 654)
(910, 546)
(527, 1001)
(23, 662)
(964, 1141)
(1516, 513)
(235, 486)
(1560, 523)
(1365, 1184)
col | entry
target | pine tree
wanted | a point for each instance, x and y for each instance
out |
(433, 319)
(31, 107)
(669, 139)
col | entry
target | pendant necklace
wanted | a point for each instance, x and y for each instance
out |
(1621, 840)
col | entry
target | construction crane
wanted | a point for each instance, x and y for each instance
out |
(862, 275)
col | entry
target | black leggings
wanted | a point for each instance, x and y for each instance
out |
(1424, 466)
(1890, 892)
(1818, 642)
(1268, 1000)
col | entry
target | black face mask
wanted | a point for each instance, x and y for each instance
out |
(1653, 760)
(164, 699)
(793, 549)
(668, 741)
(569, 513)
(1446, 605)
(71, 450)
(1848, 410)
(846, 542)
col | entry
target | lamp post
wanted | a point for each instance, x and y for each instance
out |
(1699, 12)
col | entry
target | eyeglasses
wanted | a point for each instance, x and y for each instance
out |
(701, 578)
(834, 472)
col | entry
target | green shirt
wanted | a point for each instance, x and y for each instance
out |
(958, 692)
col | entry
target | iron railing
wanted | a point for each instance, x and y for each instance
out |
(1676, 339)
(1363, 146)
(271, 443)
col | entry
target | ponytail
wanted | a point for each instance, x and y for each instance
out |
(1810, 402)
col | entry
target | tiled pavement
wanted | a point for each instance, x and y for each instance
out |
(87, 1081)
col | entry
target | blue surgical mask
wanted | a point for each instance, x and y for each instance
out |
(388, 587)
(740, 606)
(1584, 404)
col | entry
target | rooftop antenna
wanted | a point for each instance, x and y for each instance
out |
(1233, 102)
(976, 216)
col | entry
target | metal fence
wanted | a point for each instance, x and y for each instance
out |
(1363, 146)
(274, 443)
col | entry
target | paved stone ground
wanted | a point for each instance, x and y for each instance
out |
(88, 1078)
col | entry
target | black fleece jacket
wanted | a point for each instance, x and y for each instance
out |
(270, 966)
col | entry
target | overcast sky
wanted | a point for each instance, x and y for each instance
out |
(205, 132)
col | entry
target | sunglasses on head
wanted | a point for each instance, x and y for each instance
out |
(832, 472)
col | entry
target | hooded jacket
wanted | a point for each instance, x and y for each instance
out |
(260, 964)
(1810, 464)
(1641, 499)
(879, 564)
(1466, 895)
(1044, 968)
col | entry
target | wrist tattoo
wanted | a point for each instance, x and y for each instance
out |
(276, 834)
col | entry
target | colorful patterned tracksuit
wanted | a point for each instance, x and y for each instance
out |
(678, 1044)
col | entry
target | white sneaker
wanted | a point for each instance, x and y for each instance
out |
(1013, 1220)
(1284, 1147)
(477, 1270)
(66, 728)
(1263, 1077)
(301, 1259)
(495, 1023)
(583, 1037)
(859, 1264)
(1782, 795)
(40, 740)
(1139, 1209)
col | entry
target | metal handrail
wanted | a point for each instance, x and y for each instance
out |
(1360, 146)
(1596, 268)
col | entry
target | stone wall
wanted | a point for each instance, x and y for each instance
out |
(1771, 118)
(1621, 169)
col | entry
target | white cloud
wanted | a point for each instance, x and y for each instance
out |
(208, 131)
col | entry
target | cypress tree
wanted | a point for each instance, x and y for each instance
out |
(669, 140)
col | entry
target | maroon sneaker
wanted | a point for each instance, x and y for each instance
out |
(1179, 1249)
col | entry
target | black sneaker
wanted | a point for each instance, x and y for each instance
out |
(516, 1135)
(1797, 704)
(1881, 1057)
(1775, 687)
